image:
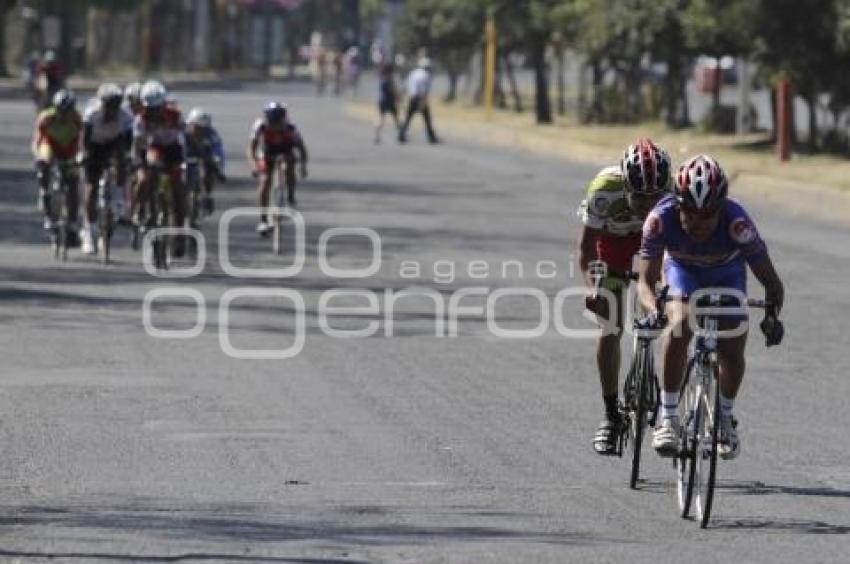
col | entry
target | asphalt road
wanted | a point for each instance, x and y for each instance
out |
(115, 445)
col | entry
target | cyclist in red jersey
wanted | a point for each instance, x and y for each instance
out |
(274, 136)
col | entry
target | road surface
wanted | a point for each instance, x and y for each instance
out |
(119, 446)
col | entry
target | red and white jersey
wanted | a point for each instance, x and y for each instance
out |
(166, 131)
(275, 139)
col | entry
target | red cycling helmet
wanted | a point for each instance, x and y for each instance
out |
(646, 168)
(701, 184)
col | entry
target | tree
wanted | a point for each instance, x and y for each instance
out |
(529, 26)
(5, 7)
(449, 30)
(809, 54)
(722, 27)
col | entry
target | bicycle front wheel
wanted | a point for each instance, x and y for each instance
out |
(706, 454)
(691, 416)
(637, 421)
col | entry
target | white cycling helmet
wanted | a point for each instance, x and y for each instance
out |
(133, 92)
(64, 100)
(153, 94)
(198, 116)
(109, 92)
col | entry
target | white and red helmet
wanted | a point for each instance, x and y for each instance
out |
(646, 167)
(701, 184)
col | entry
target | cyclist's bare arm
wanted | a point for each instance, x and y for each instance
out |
(587, 252)
(252, 150)
(302, 151)
(766, 274)
(649, 272)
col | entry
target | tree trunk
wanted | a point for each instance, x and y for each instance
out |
(596, 106)
(478, 97)
(5, 7)
(561, 82)
(451, 95)
(718, 84)
(145, 16)
(542, 104)
(811, 99)
(509, 72)
(499, 94)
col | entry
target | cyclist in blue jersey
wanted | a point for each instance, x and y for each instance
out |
(702, 239)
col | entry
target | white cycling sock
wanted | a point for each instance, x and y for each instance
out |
(726, 405)
(669, 404)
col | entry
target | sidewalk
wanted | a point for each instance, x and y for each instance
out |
(14, 88)
(812, 186)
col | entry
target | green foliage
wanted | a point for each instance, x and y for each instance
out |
(115, 5)
(721, 27)
(449, 30)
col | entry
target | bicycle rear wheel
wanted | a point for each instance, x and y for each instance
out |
(690, 416)
(275, 217)
(104, 234)
(706, 453)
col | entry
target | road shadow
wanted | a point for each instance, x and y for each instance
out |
(341, 526)
(185, 557)
(760, 488)
(776, 525)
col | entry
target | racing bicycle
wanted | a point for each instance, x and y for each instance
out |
(699, 409)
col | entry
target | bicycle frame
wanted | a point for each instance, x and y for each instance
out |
(699, 409)
(58, 212)
(105, 212)
(277, 201)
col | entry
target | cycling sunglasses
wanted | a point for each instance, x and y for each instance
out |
(707, 213)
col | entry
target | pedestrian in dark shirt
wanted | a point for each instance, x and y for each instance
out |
(387, 99)
(50, 78)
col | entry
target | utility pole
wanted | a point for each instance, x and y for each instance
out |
(201, 39)
(268, 32)
(489, 64)
(783, 119)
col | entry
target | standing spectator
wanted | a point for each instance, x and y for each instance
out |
(321, 58)
(30, 75)
(337, 65)
(418, 88)
(50, 78)
(352, 69)
(387, 99)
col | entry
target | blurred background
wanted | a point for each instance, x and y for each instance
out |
(708, 63)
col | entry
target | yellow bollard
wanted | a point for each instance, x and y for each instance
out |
(489, 66)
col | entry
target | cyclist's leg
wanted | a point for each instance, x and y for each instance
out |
(72, 182)
(42, 174)
(731, 357)
(608, 364)
(264, 189)
(178, 194)
(290, 177)
(617, 254)
(674, 352)
(95, 165)
(608, 344)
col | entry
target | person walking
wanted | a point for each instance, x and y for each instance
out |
(387, 99)
(418, 88)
